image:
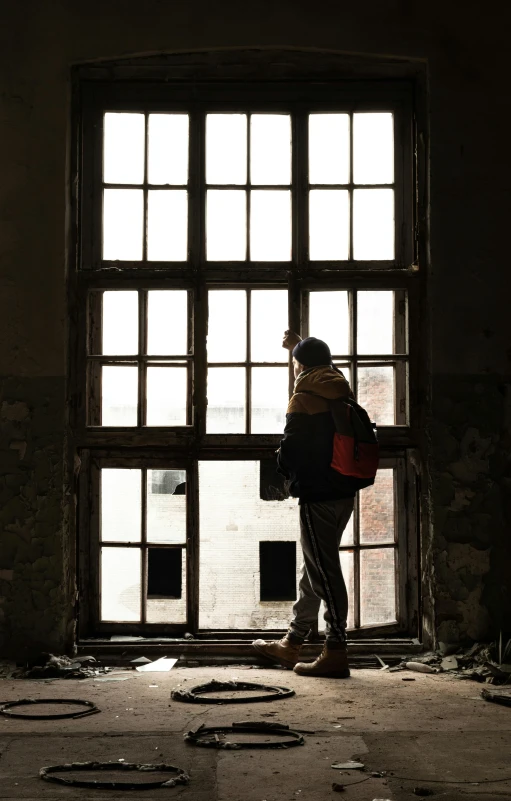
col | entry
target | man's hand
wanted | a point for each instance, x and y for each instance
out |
(290, 340)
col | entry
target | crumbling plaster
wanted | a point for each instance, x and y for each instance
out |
(466, 548)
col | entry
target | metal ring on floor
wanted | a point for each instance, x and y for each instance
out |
(207, 736)
(7, 706)
(48, 774)
(195, 694)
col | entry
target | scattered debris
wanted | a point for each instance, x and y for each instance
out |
(383, 664)
(49, 775)
(7, 707)
(140, 660)
(490, 663)
(449, 663)
(61, 667)
(162, 665)
(208, 736)
(195, 695)
(501, 696)
(378, 774)
(338, 788)
(348, 766)
(422, 791)
(420, 667)
(407, 678)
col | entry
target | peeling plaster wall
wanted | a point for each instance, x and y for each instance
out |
(466, 549)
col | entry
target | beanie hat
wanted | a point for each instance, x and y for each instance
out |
(312, 352)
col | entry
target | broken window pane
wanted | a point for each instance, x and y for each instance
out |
(167, 323)
(373, 224)
(377, 586)
(123, 153)
(120, 323)
(269, 320)
(373, 148)
(227, 326)
(121, 505)
(167, 225)
(233, 521)
(270, 396)
(119, 395)
(166, 396)
(270, 225)
(375, 392)
(120, 584)
(226, 149)
(226, 225)
(270, 149)
(329, 224)
(168, 567)
(277, 571)
(164, 568)
(377, 510)
(375, 322)
(123, 219)
(166, 506)
(226, 400)
(329, 320)
(168, 149)
(329, 148)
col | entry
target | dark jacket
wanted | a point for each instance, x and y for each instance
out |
(306, 450)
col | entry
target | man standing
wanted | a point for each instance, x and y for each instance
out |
(326, 501)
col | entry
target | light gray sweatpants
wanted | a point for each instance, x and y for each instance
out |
(321, 527)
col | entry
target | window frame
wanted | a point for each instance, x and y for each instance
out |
(188, 444)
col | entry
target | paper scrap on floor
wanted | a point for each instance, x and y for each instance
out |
(159, 666)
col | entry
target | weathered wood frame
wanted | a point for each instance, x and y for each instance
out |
(94, 94)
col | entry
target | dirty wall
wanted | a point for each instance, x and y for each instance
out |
(466, 555)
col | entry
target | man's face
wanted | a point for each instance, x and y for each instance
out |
(298, 368)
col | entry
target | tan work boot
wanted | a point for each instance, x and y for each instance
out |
(284, 652)
(332, 663)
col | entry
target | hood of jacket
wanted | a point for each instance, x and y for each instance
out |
(326, 382)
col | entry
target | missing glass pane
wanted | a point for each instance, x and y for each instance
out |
(226, 225)
(120, 584)
(233, 520)
(329, 148)
(329, 320)
(375, 392)
(123, 148)
(167, 323)
(121, 505)
(377, 586)
(119, 396)
(168, 149)
(375, 322)
(277, 566)
(226, 149)
(270, 149)
(329, 224)
(164, 572)
(123, 224)
(166, 506)
(120, 323)
(167, 225)
(377, 510)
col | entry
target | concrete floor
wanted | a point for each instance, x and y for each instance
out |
(432, 728)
